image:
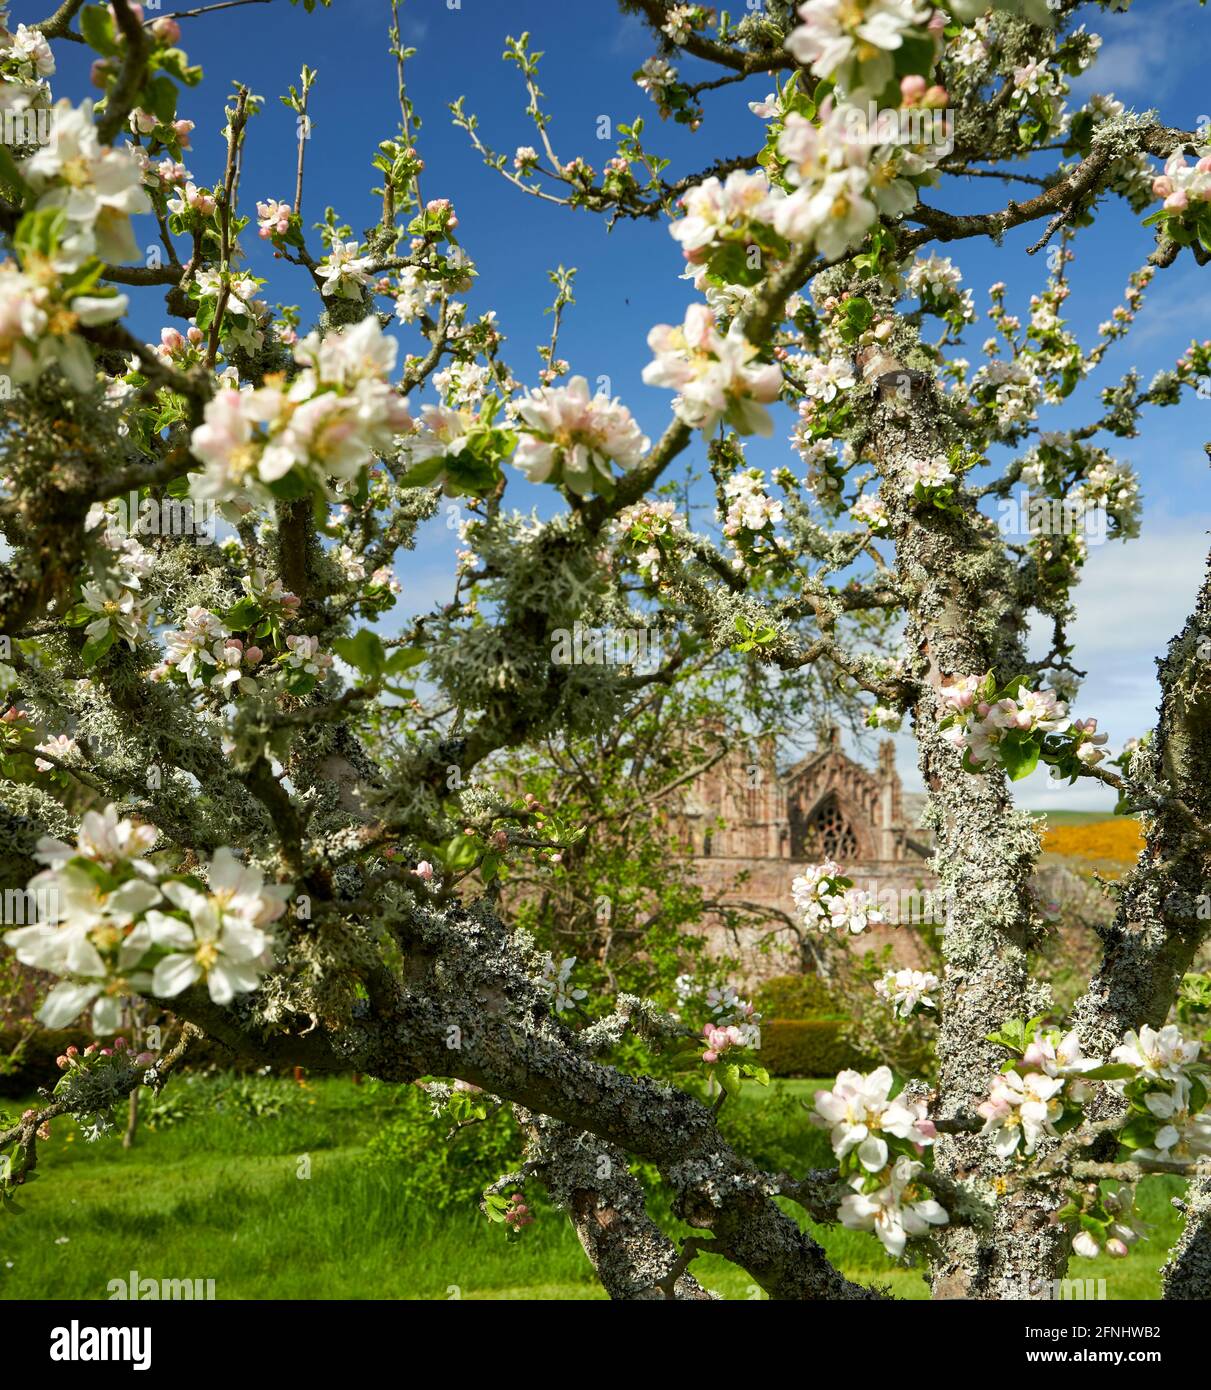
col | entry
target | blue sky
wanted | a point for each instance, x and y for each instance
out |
(1133, 597)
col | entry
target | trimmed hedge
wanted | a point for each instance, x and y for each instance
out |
(796, 996)
(806, 1047)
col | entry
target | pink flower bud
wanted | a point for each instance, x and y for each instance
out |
(1116, 1248)
(182, 129)
(195, 334)
(90, 1049)
(119, 1044)
(424, 870)
(171, 339)
(61, 1062)
(936, 98)
(166, 30)
(1162, 185)
(99, 73)
(253, 655)
(106, 1052)
(912, 88)
(145, 1059)
(1178, 201)
(73, 1051)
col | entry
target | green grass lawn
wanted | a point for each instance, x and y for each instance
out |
(225, 1198)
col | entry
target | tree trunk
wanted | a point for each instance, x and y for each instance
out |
(963, 621)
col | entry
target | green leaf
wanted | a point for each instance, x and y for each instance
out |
(39, 233)
(461, 852)
(404, 659)
(162, 97)
(1020, 758)
(364, 652)
(242, 614)
(1112, 1071)
(729, 1078)
(97, 26)
(96, 647)
(422, 474)
(290, 487)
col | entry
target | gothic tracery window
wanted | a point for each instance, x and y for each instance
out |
(829, 835)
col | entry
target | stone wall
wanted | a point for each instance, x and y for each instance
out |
(906, 891)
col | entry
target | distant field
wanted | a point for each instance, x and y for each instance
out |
(1096, 838)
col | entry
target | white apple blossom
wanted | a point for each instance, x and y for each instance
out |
(749, 508)
(102, 837)
(928, 473)
(36, 327)
(825, 900)
(715, 376)
(655, 77)
(61, 747)
(331, 420)
(852, 41)
(27, 55)
(859, 1109)
(191, 198)
(714, 207)
(119, 610)
(98, 187)
(902, 1209)
(1162, 1053)
(303, 654)
(226, 953)
(823, 379)
(933, 273)
(906, 989)
(1021, 1110)
(569, 436)
(191, 645)
(870, 510)
(344, 271)
(1059, 1056)
(557, 981)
